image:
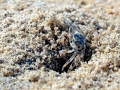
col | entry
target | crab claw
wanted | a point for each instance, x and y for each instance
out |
(70, 51)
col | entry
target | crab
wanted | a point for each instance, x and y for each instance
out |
(78, 43)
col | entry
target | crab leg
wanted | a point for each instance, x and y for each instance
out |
(71, 66)
(70, 60)
(74, 63)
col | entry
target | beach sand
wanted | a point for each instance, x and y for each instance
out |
(30, 44)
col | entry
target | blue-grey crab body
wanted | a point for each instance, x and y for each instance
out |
(78, 43)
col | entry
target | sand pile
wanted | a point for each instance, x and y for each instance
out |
(30, 45)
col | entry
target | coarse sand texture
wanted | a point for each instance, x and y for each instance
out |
(35, 40)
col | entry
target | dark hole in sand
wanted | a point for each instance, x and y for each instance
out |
(57, 63)
(54, 63)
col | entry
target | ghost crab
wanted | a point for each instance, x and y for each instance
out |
(78, 43)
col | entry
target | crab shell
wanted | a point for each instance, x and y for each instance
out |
(78, 43)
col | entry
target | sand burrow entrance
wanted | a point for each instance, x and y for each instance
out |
(49, 47)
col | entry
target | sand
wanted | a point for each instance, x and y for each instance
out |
(30, 44)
